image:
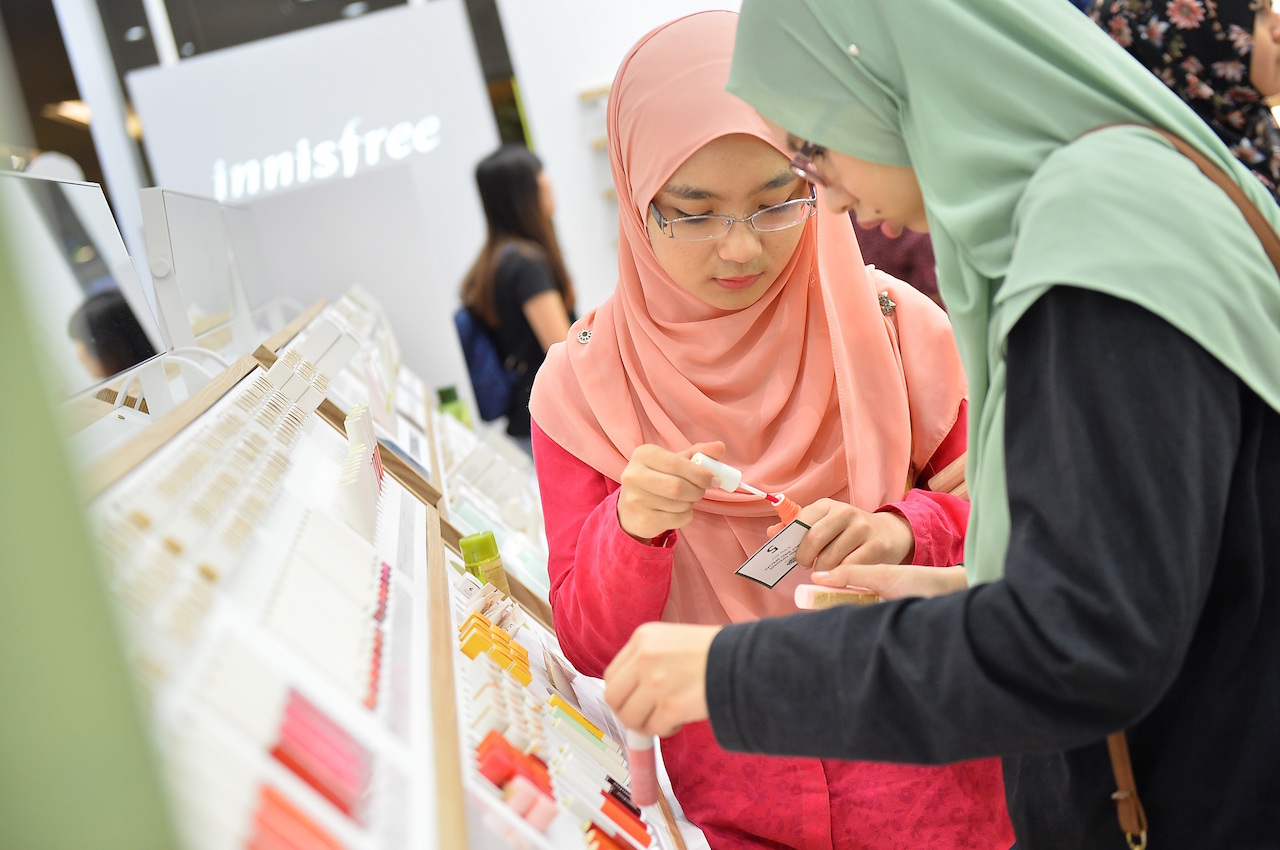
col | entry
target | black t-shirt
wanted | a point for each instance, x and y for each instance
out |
(1141, 591)
(521, 275)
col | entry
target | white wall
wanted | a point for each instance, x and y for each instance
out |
(559, 49)
(354, 144)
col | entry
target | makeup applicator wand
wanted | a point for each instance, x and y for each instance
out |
(731, 481)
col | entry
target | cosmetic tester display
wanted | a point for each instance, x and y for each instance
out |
(487, 483)
(319, 669)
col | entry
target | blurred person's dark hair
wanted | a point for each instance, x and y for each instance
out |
(105, 325)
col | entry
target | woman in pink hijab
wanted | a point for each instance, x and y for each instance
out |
(745, 325)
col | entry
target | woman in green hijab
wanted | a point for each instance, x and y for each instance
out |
(1119, 321)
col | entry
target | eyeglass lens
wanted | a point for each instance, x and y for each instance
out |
(778, 217)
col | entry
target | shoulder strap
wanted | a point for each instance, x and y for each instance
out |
(1266, 234)
(1133, 819)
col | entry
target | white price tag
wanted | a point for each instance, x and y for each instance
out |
(771, 563)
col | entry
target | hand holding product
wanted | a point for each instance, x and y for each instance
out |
(660, 487)
(840, 533)
(658, 681)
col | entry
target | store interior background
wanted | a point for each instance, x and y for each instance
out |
(173, 86)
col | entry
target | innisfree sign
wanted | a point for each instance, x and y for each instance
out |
(322, 160)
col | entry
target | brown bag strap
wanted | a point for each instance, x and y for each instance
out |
(1266, 234)
(1133, 819)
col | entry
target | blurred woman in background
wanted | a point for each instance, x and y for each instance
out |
(518, 286)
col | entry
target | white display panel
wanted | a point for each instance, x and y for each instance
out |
(354, 144)
(490, 485)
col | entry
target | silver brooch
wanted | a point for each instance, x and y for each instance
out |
(584, 337)
(886, 303)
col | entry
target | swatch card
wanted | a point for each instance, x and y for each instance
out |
(772, 561)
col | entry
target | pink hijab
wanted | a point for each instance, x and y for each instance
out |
(806, 387)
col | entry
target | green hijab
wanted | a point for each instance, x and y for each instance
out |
(987, 101)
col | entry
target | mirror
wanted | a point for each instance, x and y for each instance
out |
(209, 271)
(77, 280)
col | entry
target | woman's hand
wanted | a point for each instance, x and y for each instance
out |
(660, 488)
(657, 683)
(895, 581)
(840, 533)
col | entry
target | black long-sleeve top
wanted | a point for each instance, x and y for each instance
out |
(1141, 592)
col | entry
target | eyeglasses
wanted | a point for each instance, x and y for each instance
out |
(700, 228)
(802, 164)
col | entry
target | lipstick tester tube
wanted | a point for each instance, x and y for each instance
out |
(644, 769)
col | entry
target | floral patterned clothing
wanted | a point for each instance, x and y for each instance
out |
(1202, 49)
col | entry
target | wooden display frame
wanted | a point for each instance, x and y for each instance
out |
(452, 827)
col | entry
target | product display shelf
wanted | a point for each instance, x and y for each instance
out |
(103, 467)
(486, 482)
(503, 495)
(374, 376)
(409, 475)
(533, 702)
(490, 485)
(281, 706)
(300, 678)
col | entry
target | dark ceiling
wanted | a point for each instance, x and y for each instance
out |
(44, 73)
